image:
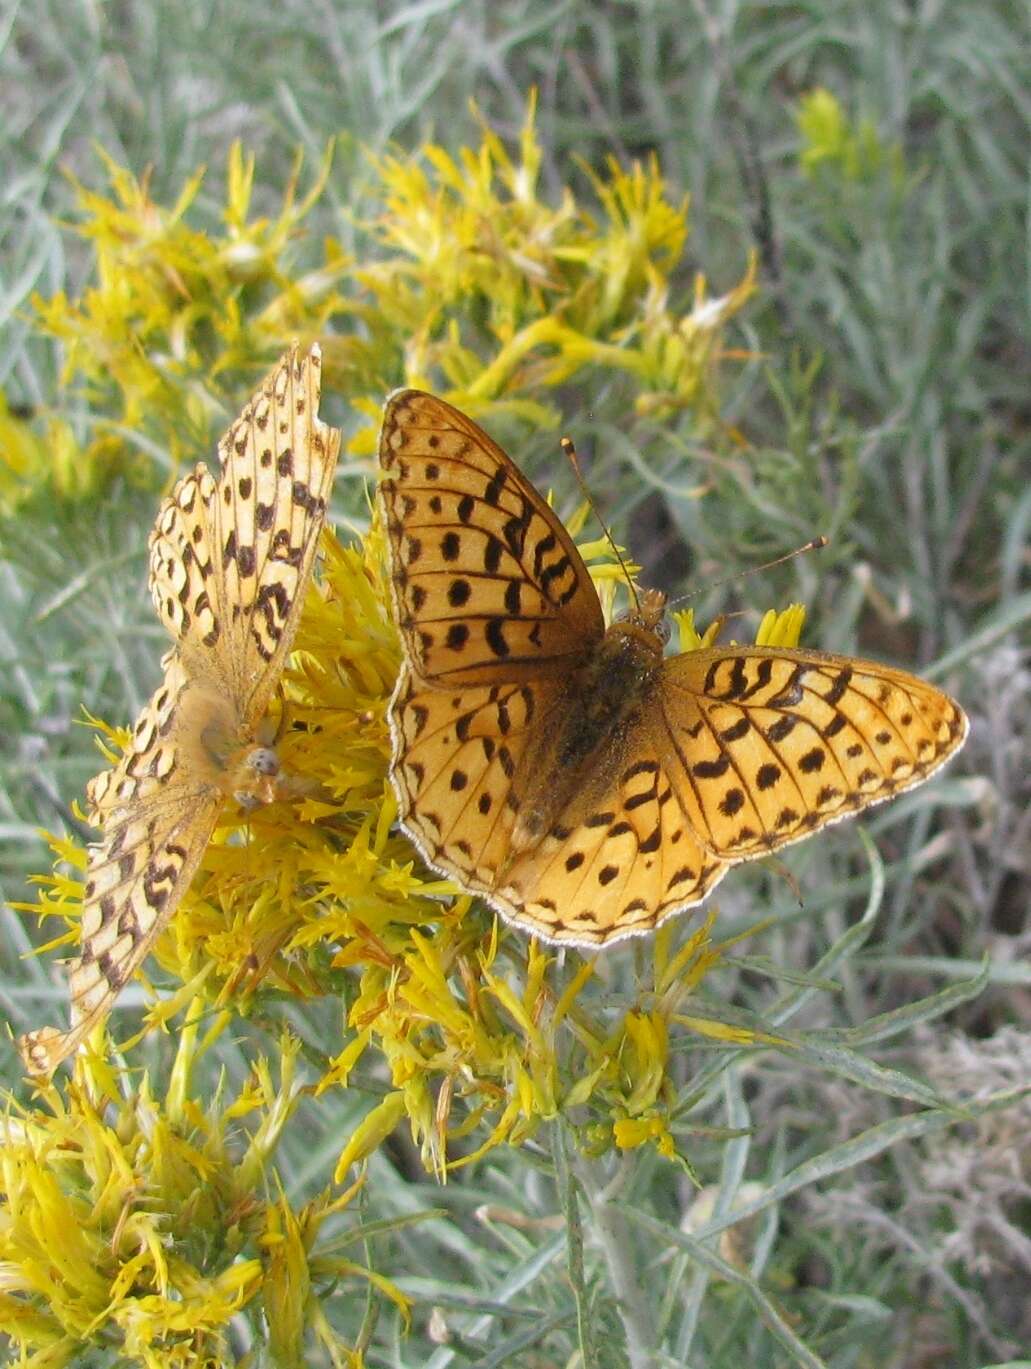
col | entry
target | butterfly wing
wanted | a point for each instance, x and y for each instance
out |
(157, 811)
(455, 754)
(610, 868)
(617, 866)
(230, 559)
(494, 606)
(487, 583)
(229, 562)
(767, 745)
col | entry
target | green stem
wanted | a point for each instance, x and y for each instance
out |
(613, 1235)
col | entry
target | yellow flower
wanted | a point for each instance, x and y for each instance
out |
(832, 143)
(148, 1223)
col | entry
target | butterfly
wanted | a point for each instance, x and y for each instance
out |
(229, 562)
(581, 781)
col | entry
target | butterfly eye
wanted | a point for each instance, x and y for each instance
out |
(664, 631)
(263, 761)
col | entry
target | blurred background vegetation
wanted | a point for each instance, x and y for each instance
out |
(869, 163)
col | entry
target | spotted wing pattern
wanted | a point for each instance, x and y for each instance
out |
(229, 559)
(585, 786)
(487, 583)
(617, 866)
(772, 744)
(606, 869)
(456, 753)
(229, 562)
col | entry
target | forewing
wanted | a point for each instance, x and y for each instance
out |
(230, 559)
(768, 745)
(183, 583)
(487, 583)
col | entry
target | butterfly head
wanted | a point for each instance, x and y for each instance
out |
(256, 779)
(646, 619)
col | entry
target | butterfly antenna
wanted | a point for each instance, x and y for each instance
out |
(566, 443)
(814, 545)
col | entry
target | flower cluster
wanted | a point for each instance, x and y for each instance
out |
(149, 1222)
(469, 281)
(834, 146)
(472, 1035)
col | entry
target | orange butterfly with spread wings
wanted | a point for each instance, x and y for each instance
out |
(581, 781)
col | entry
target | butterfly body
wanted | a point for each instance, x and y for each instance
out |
(233, 755)
(586, 785)
(584, 736)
